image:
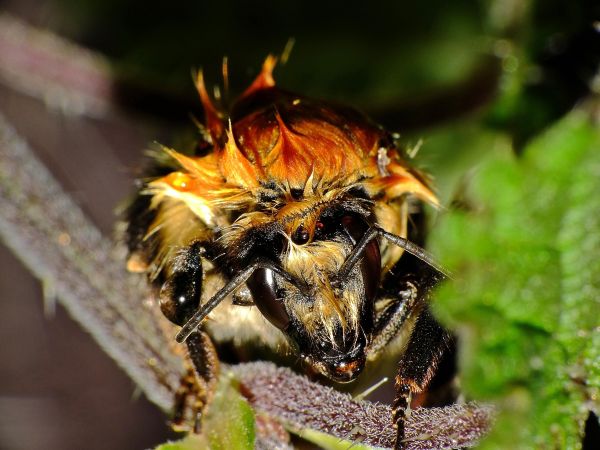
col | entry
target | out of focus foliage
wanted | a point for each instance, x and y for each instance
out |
(504, 95)
(414, 65)
(228, 425)
(526, 299)
(355, 50)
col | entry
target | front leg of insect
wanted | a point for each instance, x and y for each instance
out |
(180, 293)
(426, 346)
(179, 298)
(174, 264)
(197, 384)
(283, 231)
(428, 340)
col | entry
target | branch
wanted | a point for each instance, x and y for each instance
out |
(62, 74)
(302, 404)
(47, 230)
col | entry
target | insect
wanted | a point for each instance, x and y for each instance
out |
(289, 227)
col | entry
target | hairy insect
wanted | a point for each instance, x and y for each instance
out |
(287, 228)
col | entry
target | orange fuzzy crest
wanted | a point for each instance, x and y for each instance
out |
(280, 139)
(265, 77)
(399, 182)
(317, 148)
(235, 167)
(203, 180)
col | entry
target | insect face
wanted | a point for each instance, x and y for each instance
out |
(329, 325)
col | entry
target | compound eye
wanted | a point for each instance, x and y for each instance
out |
(370, 264)
(263, 287)
(300, 236)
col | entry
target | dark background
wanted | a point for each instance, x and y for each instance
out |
(418, 67)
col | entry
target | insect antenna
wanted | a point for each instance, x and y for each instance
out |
(401, 242)
(205, 309)
(414, 250)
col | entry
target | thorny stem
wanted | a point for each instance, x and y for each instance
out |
(48, 231)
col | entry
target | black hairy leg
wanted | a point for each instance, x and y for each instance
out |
(389, 322)
(198, 384)
(180, 294)
(406, 290)
(417, 366)
(408, 300)
(427, 346)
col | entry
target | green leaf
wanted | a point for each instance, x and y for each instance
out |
(329, 442)
(526, 300)
(191, 442)
(228, 425)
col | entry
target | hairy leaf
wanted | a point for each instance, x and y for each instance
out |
(526, 299)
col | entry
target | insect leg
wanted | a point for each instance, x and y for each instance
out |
(411, 294)
(417, 366)
(389, 322)
(197, 385)
(428, 341)
(180, 294)
(426, 344)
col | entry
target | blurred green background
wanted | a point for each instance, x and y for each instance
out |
(378, 55)
(478, 84)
